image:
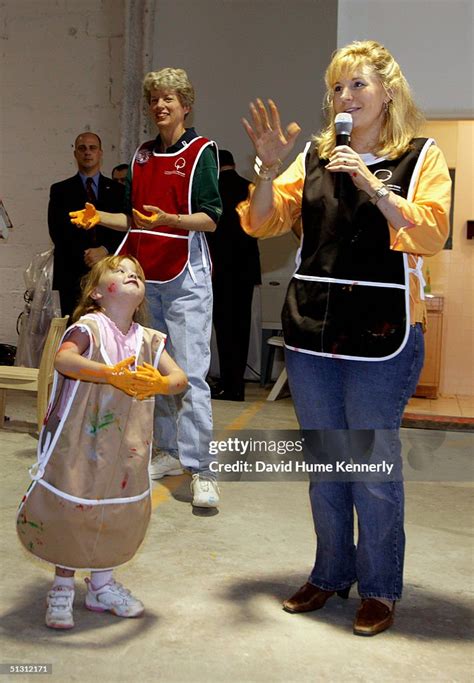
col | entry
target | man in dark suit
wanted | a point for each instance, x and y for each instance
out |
(236, 270)
(75, 251)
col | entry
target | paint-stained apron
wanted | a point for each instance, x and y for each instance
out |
(89, 504)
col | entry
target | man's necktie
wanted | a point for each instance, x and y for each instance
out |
(92, 199)
(90, 191)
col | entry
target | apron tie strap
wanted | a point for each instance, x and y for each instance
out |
(418, 272)
(204, 250)
(37, 470)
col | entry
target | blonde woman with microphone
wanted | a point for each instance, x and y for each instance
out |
(354, 315)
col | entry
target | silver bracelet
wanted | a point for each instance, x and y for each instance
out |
(266, 172)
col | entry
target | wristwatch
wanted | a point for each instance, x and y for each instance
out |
(379, 194)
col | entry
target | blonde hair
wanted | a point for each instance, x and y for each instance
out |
(402, 117)
(170, 79)
(91, 280)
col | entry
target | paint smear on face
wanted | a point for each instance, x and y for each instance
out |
(124, 481)
(112, 288)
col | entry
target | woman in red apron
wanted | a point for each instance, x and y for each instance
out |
(173, 200)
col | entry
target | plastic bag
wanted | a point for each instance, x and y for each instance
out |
(41, 306)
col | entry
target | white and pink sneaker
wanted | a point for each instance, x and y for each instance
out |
(113, 597)
(59, 603)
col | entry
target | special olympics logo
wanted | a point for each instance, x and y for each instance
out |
(383, 174)
(143, 156)
(178, 164)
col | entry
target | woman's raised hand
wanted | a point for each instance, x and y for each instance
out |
(272, 145)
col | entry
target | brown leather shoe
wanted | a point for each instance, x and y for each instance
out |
(372, 617)
(309, 598)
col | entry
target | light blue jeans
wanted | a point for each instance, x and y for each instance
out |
(333, 394)
(182, 309)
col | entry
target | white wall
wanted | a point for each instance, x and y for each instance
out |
(61, 74)
(236, 50)
(431, 39)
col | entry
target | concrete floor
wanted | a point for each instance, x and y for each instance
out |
(213, 584)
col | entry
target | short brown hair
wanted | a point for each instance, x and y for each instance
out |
(170, 79)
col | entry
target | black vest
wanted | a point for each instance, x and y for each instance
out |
(349, 296)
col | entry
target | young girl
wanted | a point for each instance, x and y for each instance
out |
(89, 504)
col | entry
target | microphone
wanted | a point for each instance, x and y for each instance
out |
(343, 124)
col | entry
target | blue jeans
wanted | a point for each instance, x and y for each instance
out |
(333, 394)
(182, 309)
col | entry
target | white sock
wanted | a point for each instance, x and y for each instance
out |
(384, 601)
(99, 579)
(66, 581)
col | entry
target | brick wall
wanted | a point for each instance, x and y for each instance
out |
(62, 63)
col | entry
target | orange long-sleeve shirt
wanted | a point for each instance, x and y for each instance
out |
(427, 216)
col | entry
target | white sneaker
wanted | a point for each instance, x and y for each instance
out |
(205, 492)
(164, 465)
(113, 597)
(59, 607)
